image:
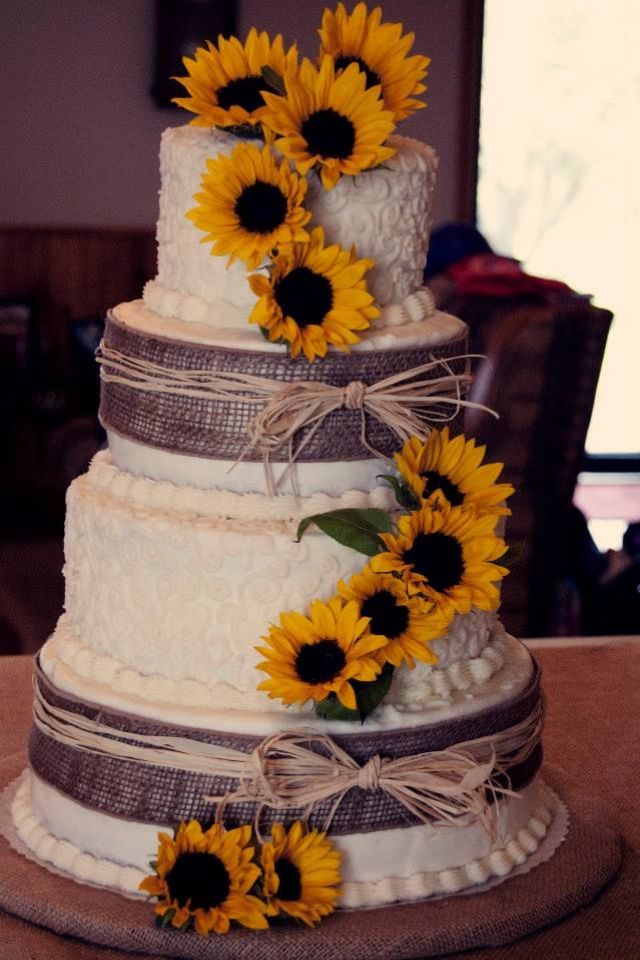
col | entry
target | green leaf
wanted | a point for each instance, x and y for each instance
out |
(368, 696)
(404, 494)
(166, 918)
(274, 80)
(514, 554)
(332, 709)
(245, 131)
(357, 529)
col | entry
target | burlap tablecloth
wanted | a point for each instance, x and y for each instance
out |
(592, 734)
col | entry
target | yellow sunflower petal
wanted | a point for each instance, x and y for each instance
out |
(307, 300)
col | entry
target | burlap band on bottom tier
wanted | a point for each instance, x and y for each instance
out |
(199, 426)
(146, 792)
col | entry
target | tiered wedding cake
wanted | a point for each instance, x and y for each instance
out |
(386, 704)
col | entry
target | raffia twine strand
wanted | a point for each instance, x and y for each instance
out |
(403, 403)
(303, 769)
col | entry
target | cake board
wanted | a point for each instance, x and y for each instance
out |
(587, 859)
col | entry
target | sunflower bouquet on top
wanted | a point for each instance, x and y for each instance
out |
(331, 116)
(438, 555)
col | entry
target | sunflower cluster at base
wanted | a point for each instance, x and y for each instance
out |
(437, 559)
(206, 880)
(333, 117)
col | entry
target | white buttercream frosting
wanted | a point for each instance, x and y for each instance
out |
(281, 512)
(400, 864)
(415, 308)
(386, 213)
(161, 320)
(303, 479)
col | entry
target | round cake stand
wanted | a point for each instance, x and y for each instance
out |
(587, 859)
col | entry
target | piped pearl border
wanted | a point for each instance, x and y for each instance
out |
(222, 505)
(82, 663)
(66, 858)
(190, 308)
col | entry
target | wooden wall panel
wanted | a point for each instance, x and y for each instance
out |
(72, 273)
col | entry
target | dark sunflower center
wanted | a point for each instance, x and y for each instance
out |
(290, 887)
(243, 92)
(388, 617)
(261, 207)
(372, 77)
(201, 878)
(435, 481)
(305, 296)
(320, 662)
(329, 134)
(438, 557)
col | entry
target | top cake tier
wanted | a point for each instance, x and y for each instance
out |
(385, 212)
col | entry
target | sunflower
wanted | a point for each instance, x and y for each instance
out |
(329, 120)
(250, 204)
(301, 873)
(407, 621)
(380, 51)
(453, 468)
(309, 658)
(447, 554)
(225, 82)
(203, 877)
(315, 295)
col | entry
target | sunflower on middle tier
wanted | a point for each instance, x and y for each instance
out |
(307, 658)
(447, 554)
(330, 120)
(452, 467)
(250, 204)
(315, 296)
(408, 622)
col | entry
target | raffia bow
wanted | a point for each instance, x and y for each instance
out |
(439, 787)
(407, 402)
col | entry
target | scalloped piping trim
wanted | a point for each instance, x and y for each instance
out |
(68, 859)
(63, 855)
(440, 682)
(85, 664)
(219, 504)
(190, 308)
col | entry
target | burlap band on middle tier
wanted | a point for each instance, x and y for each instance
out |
(219, 429)
(146, 792)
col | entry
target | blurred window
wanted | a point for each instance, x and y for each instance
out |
(559, 183)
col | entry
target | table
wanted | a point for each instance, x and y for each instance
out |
(592, 732)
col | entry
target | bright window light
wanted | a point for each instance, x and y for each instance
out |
(559, 181)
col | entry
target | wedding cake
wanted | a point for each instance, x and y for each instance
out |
(280, 649)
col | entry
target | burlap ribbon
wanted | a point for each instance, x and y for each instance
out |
(230, 404)
(303, 770)
(407, 403)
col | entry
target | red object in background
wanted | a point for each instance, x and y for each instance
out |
(490, 275)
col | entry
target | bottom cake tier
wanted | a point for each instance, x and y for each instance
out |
(418, 810)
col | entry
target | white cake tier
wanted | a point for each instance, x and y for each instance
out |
(399, 864)
(182, 583)
(386, 213)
